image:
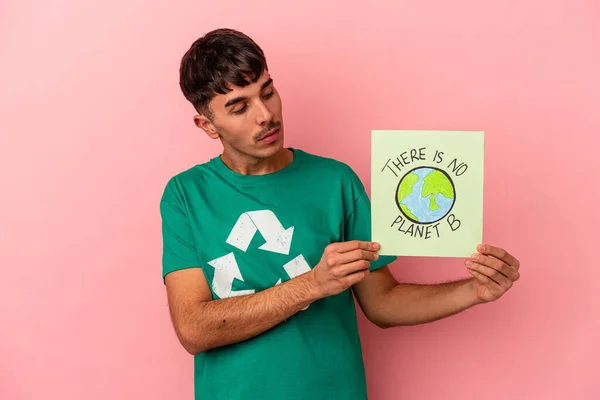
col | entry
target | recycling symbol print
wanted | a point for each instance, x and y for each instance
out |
(277, 240)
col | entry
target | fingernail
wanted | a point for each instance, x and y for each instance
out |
(468, 263)
(481, 247)
(475, 256)
(375, 245)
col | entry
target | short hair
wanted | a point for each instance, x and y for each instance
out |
(221, 57)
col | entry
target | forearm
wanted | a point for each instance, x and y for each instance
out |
(222, 322)
(411, 304)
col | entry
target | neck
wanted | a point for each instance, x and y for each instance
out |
(248, 165)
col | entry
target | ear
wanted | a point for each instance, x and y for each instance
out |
(202, 122)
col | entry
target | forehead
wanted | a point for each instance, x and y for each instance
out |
(241, 92)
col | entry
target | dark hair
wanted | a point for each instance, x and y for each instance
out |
(221, 57)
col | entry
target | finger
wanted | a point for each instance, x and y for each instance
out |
(493, 275)
(356, 277)
(344, 247)
(484, 280)
(347, 269)
(507, 270)
(499, 253)
(492, 286)
(354, 255)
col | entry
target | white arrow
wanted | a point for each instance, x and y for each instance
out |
(242, 233)
(277, 238)
(226, 269)
(296, 267)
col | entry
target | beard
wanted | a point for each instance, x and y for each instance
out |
(270, 126)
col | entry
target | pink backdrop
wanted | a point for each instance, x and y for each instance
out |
(93, 124)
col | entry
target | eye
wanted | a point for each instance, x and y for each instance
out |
(241, 110)
(269, 95)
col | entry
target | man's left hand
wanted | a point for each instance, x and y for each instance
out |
(495, 271)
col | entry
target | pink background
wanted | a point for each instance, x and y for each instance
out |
(93, 124)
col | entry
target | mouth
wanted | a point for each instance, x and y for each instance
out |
(270, 136)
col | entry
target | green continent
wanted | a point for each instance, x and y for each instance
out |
(406, 186)
(408, 213)
(432, 204)
(436, 182)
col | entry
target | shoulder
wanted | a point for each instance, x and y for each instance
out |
(179, 184)
(332, 170)
(327, 165)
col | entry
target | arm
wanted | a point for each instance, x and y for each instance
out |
(202, 323)
(388, 303)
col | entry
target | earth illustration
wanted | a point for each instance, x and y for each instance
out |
(425, 195)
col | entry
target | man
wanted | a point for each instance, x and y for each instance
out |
(265, 247)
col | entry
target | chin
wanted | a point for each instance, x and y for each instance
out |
(271, 150)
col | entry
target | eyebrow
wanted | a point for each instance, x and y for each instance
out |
(236, 100)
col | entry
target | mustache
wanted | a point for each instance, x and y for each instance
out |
(272, 125)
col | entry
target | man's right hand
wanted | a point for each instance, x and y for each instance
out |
(341, 266)
(202, 323)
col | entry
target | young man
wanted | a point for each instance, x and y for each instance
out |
(265, 246)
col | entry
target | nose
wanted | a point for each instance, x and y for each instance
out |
(264, 115)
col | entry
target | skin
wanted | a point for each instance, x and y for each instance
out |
(202, 323)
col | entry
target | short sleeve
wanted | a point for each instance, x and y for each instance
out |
(357, 224)
(179, 249)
